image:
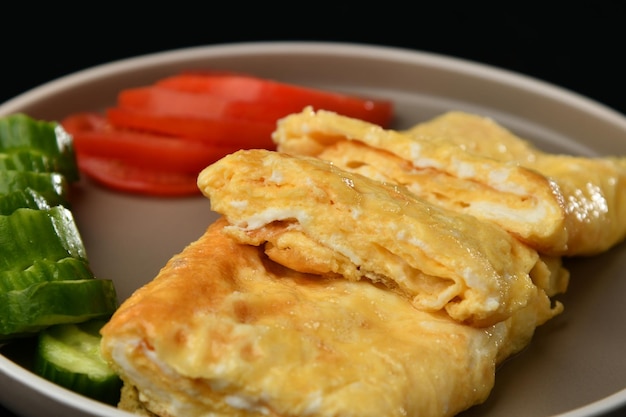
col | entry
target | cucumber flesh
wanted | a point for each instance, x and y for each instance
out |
(69, 355)
(30, 310)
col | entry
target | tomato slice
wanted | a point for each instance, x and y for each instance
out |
(158, 138)
(223, 133)
(168, 102)
(122, 176)
(240, 87)
(83, 121)
(93, 135)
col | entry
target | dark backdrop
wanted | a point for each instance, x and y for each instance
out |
(578, 47)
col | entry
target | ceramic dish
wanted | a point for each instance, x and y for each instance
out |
(575, 365)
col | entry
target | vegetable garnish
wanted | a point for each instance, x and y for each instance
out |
(36, 145)
(69, 355)
(48, 293)
(122, 176)
(157, 138)
(95, 136)
(45, 277)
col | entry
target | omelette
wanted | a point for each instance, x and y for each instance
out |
(333, 222)
(561, 205)
(225, 331)
(593, 189)
(358, 272)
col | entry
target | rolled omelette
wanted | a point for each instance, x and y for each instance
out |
(560, 205)
(593, 189)
(315, 218)
(323, 292)
(225, 331)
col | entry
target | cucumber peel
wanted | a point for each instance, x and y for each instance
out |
(21, 132)
(28, 311)
(69, 355)
(66, 269)
(28, 234)
(25, 198)
(52, 186)
(29, 160)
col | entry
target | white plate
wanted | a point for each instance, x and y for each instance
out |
(575, 365)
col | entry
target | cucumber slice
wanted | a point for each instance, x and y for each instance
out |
(26, 160)
(69, 355)
(30, 310)
(51, 185)
(13, 180)
(44, 270)
(26, 198)
(21, 132)
(27, 235)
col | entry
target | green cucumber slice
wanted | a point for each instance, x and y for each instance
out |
(26, 160)
(27, 235)
(48, 303)
(69, 355)
(21, 132)
(45, 270)
(26, 198)
(51, 185)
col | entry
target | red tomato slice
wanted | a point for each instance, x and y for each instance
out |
(239, 87)
(84, 121)
(223, 133)
(163, 101)
(160, 137)
(121, 176)
(93, 135)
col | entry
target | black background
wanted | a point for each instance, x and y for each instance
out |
(579, 47)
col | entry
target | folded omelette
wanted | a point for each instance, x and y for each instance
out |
(225, 331)
(322, 292)
(316, 218)
(358, 271)
(560, 205)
